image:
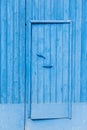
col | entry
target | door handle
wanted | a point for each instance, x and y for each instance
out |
(47, 66)
(41, 56)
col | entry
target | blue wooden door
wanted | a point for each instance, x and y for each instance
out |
(56, 64)
(50, 69)
(12, 64)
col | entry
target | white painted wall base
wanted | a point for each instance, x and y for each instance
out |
(78, 121)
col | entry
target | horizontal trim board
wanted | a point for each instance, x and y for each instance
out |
(52, 111)
(51, 21)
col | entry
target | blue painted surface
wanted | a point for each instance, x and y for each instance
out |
(12, 64)
(14, 16)
(51, 10)
(45, 88)
(12, 48)
(63, 10)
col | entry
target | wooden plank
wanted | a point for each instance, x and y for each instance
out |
(40, 45)
(35, 14)
(34, 71)
(3, 55)
(83, 91)
(72, 8)
(22, 51)
(16, 53)
(53, 54)
(50, 21)
(43, 49)
(53, 62)
(59, 63)
(78, 49)
(65, 58)
(47, 9)
(40, 61)
(47, 53)
(66, 9)
(68, 90)
(10, 50)
(59, 10)
(41, 9)
(66, 42)
(52, 10)
(28, 15)
(35, 9)
(47, 62)
(59, 16)
(70, 51)
(0, 49)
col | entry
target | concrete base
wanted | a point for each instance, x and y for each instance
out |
(78, 121)
(12, 117)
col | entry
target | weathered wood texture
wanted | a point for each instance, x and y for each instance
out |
(12, 46)
(50, 68)
(12, 51)
(57, 10)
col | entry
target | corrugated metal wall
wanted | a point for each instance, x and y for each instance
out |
(12, 51)
(64, 9)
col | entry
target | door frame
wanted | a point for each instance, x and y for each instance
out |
(28, 99)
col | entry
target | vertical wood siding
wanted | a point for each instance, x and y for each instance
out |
(12, 51)
(50, 47)
(12, 45)
(84, 52)
(45, 73)
(65, 9)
